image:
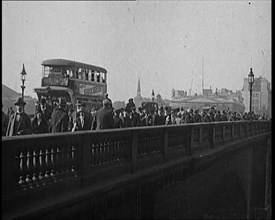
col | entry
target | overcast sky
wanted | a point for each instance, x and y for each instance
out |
(160, 42)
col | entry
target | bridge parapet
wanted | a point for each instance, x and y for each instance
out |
(39, 167)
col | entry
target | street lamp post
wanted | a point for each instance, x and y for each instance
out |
(250, 82)
(23, 79)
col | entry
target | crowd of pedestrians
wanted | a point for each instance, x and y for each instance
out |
(64, 118)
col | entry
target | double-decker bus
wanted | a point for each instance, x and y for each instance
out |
(72, 81)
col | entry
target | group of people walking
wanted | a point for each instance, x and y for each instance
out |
(64, 118)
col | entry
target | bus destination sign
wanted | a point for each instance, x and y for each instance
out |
(85, 89)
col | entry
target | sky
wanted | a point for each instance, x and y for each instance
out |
(167, 44)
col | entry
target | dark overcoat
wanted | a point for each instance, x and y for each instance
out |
(22, 127)
(103, 119)
(59, 120)
(41, 128)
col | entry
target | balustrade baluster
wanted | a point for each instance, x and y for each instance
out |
(64, 168)
(116, 149)
(41, 159)
(29, 168)
(52, 163)
(101, 152)
(96, 155)
(73, 167)
(35, 167)
(107, 152)
(68, 158)
(21, 159)
(22, 182)
(23, 165)
(92, 154)
(58, 171)
(47, 164)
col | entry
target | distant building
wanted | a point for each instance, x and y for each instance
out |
(261, 96)
(207, 92)
(200, 101)
(178, 94)
(223, 99)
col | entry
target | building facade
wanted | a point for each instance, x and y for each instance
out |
(261, 96)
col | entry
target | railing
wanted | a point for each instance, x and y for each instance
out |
(36, 167)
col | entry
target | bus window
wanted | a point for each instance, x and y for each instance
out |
(46, 71)
(76, 74)
(98, 76)
(68, 73)
(90, 75)
(86, 74)
(56, 69)
(79, 75)
(83, 74)
(103, 78)
(93, 76)
(64, 72)
(71, 73)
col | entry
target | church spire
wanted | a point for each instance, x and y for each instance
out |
(138, 88)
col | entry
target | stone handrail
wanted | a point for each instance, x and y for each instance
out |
(37, 167)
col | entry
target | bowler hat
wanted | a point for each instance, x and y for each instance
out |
(20, 102)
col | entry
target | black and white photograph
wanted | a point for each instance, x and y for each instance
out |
(143, 109)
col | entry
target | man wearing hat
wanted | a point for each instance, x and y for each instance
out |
(45, 109)
(104, 117)
(130, 105)
(19, 122)
(83, 119)
(60, 118)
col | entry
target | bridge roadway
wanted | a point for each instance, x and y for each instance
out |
(202, 170)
